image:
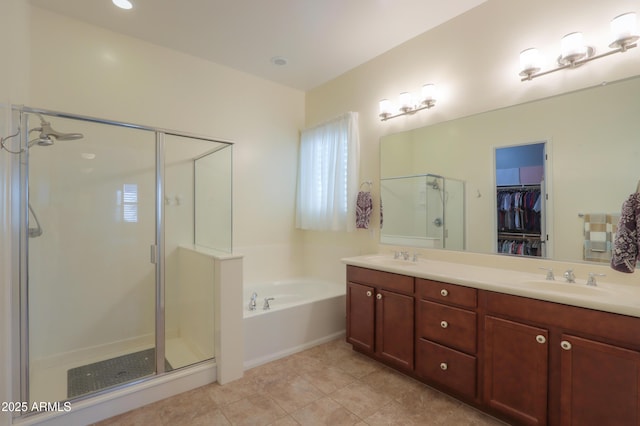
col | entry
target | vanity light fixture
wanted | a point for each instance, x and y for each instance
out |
(573, 51)
(409, 104)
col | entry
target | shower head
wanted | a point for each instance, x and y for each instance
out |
(47, 133)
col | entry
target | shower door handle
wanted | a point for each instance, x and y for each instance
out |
(153, 253)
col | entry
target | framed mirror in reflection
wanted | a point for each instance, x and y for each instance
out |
(592, 139)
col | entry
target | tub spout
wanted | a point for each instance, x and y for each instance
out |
(252, 302)
(266, 303)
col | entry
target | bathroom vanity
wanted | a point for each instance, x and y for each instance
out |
(524, 349)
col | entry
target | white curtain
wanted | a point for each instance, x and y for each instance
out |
(328, 175)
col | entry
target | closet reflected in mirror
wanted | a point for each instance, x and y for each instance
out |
(520, 200)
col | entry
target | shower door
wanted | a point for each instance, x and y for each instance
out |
(90, 240)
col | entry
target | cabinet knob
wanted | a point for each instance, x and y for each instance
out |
(369, 293)
(378, 296)
(444, 324)
(443, 366)
(565, 345)
(444, 293)
(540, 338)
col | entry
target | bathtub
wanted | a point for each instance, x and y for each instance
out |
(304, 312)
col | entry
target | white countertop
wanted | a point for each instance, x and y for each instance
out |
(609, 297)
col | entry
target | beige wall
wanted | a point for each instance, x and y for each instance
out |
(474, 61)
(106, 75)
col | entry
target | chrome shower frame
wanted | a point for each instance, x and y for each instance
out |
(20, 237)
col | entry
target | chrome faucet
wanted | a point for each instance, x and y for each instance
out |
(550, 276)
(591, 281)
(252, 302)
(266, 303)
(569, 276)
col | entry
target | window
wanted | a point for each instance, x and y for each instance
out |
(128, 202)
(328, 175)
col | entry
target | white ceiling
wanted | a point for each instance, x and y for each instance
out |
(321, 39)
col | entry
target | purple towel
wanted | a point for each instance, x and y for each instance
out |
(626, 246)
(364, 207)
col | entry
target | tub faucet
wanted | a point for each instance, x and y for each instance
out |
(252, 302)
(569, 276)
(550, 276)
(592, 279)
(266, 303)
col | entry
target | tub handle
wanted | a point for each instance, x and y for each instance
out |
(266, 303)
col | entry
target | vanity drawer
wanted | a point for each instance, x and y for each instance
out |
(451, 294)
(450, 368)
(447, 325)
(380, 279)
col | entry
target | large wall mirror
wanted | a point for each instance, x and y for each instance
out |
(592, 139)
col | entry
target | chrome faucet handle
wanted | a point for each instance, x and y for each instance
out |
(266, 303)
(405, 255)
(252, 302)
(396, 255)
(591, 281)
(550, 276)
(569, 276)
(415, 256)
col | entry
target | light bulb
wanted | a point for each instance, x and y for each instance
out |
(572, 47)
(428, 93)
(123, 4)
(384, 108)
(405, 101)
(624, 30)
(529, 61)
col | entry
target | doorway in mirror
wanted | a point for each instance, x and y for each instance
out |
(520, 200)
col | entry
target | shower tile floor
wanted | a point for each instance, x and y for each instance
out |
(49, 380)
(326, 385)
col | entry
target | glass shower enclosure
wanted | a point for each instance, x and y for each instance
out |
(109, 217)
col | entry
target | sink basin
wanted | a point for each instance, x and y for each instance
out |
(568, 288)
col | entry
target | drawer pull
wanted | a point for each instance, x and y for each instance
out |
(540, 338)
(444, 293)
(369, 293)
(565, 345)
(444, 324)
(443, 366)
(379, 296)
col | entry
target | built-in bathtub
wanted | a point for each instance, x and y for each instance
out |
(304, 312)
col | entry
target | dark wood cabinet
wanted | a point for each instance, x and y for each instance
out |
(525, 360)
(380, 315)
(361, 316)
(599, 383)
(446, 336)
(394, 328)
(516, 370)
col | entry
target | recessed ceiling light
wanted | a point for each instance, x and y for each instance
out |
(279, 61)
(123, 4)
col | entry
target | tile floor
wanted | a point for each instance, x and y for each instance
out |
(326, 385)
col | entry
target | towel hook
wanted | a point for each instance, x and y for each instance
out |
(366, 182)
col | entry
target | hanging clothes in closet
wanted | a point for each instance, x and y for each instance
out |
(519, 209)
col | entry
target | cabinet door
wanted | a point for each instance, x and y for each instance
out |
(515, 370)
(360, 316)
(394, 328)
(599, 383)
